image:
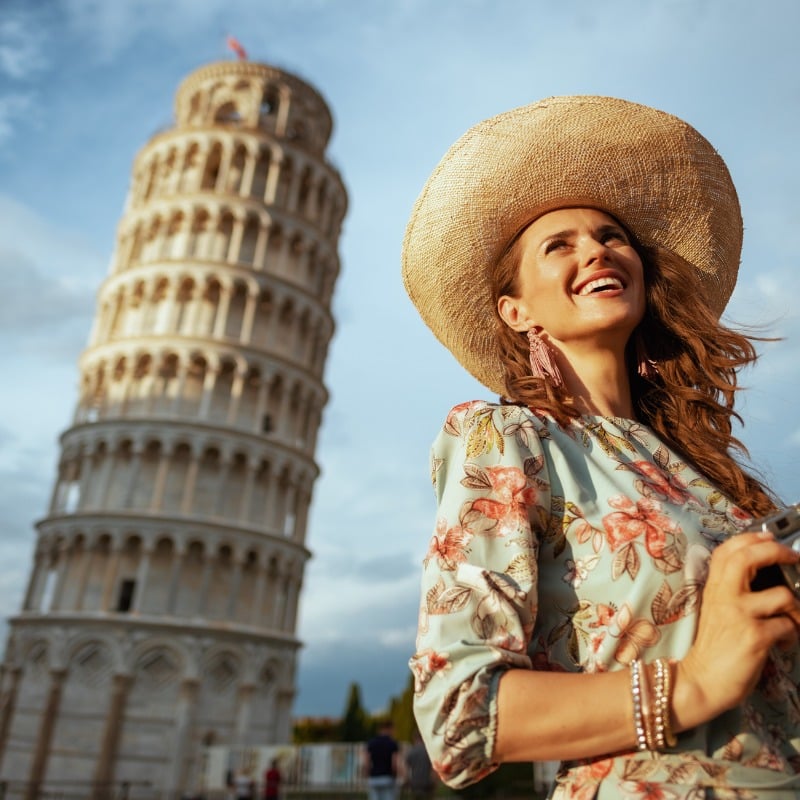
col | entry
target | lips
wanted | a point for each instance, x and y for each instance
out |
(599, 282)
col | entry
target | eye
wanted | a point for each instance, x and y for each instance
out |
(613, 235)
(554, 244)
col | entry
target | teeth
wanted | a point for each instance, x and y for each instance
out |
(601, 283)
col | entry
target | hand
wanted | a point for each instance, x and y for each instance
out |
(736, 628)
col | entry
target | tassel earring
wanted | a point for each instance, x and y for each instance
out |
(543, 363)
(645, 366)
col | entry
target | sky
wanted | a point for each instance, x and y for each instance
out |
(85, 83)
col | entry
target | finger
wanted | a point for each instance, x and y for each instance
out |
(742, 560)
(773, 601)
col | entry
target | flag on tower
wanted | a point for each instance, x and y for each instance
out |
(237, 48)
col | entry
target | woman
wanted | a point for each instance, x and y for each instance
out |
(584, 598)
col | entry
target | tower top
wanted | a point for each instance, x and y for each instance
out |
(249, 95)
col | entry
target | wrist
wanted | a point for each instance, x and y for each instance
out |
(691, 705)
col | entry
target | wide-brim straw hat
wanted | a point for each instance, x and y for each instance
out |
(652, 171)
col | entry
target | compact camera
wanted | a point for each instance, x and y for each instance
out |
(785, 526)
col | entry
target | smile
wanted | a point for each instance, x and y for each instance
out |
(604, 284)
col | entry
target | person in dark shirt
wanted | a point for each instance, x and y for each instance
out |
(381, 761)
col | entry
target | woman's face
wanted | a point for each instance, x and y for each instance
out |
(580, 280)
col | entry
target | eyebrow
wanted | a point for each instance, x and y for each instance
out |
(604, 228)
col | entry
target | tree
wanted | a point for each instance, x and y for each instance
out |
(355, 725)
(401, 711)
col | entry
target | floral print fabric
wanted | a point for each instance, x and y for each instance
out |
(580, 549)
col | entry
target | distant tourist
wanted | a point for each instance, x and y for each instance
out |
(272, 781)
(419, 772)
(381, 756)
(244, 787)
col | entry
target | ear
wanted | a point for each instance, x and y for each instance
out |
(514, 313)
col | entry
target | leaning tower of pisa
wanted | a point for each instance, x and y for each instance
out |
(160, 612)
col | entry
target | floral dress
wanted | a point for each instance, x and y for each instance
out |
(579, 550)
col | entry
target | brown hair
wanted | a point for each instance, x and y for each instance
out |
(689, 403)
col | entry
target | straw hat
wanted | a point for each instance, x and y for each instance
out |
(650, 170)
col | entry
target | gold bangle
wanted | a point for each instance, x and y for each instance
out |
(665, 701)
(649, 709)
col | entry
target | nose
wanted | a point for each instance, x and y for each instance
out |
(592, 250)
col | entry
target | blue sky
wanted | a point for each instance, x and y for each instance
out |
(85, 83)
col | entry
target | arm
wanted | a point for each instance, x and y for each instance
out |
(478, 587)
(736, 629)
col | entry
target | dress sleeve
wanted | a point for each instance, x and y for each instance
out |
(479, 593)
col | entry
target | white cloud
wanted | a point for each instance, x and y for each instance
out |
(21, 45)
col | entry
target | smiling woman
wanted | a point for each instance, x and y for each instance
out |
(584, 598)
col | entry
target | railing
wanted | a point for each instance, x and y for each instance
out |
(77, 790)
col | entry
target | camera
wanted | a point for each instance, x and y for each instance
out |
(785, 527)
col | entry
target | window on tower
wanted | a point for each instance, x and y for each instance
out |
(126, 592)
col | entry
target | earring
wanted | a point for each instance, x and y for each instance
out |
(543, 363)
(645, 366)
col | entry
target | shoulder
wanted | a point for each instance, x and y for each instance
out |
(482, 427)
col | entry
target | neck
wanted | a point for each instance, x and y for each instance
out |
(599, 383)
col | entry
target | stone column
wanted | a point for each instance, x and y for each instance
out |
(246, 186)
(45, 734)
(236, 581)
(133, 476)
(141, 578)
(261, 246)
(174, 578)
(185, 715)
(256, 611)
(111, 576)
(106, 760)
(209, 381)
(40, 559)
(221, 321)
(160, 480)
(243, 708)
(189, 486)
(83, 580)
(235, 244)
(87, 464)
(105, 478)
(237, 386)
(261, 405)
(224, 476)
(249, 315)
(247, 493)
(61, 576)
(7, 707)
(205, 581)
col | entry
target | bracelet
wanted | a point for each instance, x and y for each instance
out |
(649, 709)
(636, 694)
(663, 702)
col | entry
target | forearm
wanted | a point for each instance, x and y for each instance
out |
(553, 716)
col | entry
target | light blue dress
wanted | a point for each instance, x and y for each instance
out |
(579, 550)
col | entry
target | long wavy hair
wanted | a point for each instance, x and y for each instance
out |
(689, 401)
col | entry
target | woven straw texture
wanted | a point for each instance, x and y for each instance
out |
(649, 169)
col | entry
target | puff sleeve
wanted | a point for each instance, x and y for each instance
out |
(479, 585)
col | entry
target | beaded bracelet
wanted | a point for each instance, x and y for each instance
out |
(663, 727)
(636, 694)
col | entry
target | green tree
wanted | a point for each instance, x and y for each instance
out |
(355, 725)
(401, 712)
